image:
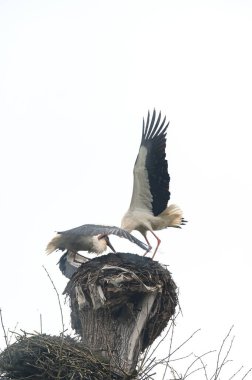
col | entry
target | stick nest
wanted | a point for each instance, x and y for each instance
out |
(116, 283)
(46, 357)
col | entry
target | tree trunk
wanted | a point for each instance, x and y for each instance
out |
(120, 303)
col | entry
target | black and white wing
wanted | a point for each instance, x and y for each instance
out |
(95, 229)
(70, 262)
(151, 178)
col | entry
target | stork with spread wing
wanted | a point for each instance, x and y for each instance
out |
(148, 209)
(90, 238)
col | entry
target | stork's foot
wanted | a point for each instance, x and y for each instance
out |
(148, 250)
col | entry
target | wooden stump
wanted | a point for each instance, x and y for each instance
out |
(120, 303)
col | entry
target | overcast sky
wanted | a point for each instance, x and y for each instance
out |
(76, 79)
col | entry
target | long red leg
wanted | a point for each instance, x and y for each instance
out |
(158, 242)
(150, 247)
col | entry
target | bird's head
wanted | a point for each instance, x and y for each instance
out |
(107, 241)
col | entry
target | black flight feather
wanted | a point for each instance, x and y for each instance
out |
(154, 139)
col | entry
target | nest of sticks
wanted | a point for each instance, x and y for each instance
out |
(46, 357)
(116, 282)
(113, 284)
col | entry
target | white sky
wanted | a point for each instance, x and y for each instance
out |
(76, 78)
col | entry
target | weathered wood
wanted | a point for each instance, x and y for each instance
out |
(120, 304)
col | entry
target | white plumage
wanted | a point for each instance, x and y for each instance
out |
(148, 209)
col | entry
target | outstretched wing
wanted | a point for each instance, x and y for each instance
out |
(151, 178)
(70, 262)
(95, 229)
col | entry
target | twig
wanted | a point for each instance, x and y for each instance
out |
(62, 319)
(203, 365)
(5, 336)
(174, 372)
(40, 319)
(172, 324)
(181, 358)
(236, 373)
(219, 367)
(61, 312)
(12, 332)
(182, 344)
(161, 341)
(246, 373)
(190, 373)
(148, 368)
(169, 354)
(147, 358)
(197, 359)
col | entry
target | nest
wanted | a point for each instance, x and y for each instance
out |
(46, 357)
(116, 283)
(128, 296)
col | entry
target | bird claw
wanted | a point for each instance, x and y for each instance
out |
(148, 250)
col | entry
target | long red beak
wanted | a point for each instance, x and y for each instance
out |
(104, 236)
(109, 244)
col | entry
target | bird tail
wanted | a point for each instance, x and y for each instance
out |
(53, 244)
(173, 216)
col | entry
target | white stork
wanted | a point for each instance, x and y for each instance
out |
(148, 209)
(89, 237)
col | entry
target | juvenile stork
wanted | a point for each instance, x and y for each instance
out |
(148, 209)
(91, 238)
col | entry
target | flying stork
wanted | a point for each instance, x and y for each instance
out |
(148, 209)
(89, 237)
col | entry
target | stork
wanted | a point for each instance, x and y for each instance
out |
(89, 237)
(148, 209)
